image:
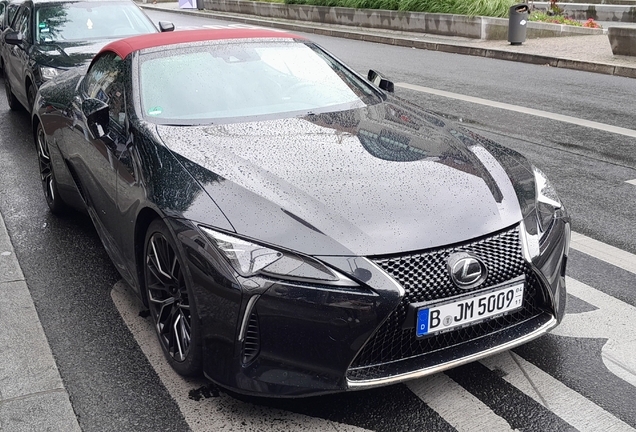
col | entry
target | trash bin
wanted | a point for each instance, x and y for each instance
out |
(517, 24)
(187, 4)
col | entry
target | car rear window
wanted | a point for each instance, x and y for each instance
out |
(222, 82)
(60, 22)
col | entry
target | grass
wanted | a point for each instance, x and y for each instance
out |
(493, 8)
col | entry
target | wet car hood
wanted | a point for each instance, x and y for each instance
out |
(372, 181)
(65, 55)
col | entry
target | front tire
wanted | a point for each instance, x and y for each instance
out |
(170, 301)
(47, 176)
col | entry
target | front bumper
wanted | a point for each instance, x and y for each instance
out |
(287, 339)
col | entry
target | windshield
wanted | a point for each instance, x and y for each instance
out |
(89, 20)
(221, 82)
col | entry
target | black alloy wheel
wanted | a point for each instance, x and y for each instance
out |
(170, 301)
(14, 104)
(49, 185)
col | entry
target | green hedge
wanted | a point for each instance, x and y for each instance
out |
(494, 8)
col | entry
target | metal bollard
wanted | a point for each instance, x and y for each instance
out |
(517, 24)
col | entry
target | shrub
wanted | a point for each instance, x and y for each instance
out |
(494, 8)
(560, 19)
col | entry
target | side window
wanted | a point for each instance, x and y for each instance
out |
(105, 81)
(21, 23)
(12, 11)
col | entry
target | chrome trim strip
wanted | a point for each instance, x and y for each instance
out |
(246, 316)
(525, 239)
(365, 384)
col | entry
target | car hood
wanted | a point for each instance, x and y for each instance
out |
(373, 181)
(66, 55)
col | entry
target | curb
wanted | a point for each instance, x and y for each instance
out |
(411, 42)
(32, 393)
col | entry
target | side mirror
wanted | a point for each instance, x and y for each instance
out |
(166, 26)
(380, 81)
(97, 119)
(13, 38)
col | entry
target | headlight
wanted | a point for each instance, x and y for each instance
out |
(48, 73)
(548, 201)
(249, 259)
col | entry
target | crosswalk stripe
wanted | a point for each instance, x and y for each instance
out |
(456, 405)
(566, 403)
(604, 252)
(619, 353)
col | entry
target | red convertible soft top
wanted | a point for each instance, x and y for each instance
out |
(124, 47)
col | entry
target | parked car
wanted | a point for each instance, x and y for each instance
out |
(9, 8)
(47, 37)
(293, 228)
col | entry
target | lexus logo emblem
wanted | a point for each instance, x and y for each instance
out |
(466, 270)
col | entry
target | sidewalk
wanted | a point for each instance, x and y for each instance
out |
(32, 395)
(586, 53)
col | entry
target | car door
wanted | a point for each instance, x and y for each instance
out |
(93, 155)
(17, 56)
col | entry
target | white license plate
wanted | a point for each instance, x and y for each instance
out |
(449, 316)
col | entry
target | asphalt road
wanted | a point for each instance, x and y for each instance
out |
(580, 377)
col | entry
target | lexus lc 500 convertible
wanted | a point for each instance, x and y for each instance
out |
(293, 227)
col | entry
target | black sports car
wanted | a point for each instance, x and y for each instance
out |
(293, 228)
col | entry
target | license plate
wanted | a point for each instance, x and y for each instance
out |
(468, 311)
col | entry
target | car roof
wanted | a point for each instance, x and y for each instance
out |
(124, 47)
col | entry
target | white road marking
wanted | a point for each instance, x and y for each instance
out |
(213, 414)
(604, 252)
(614, 320)
(456, 405)
(633, 182)
(566, 403)
(523, 110)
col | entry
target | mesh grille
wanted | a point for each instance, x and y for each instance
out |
(252, 341)
(424, 277)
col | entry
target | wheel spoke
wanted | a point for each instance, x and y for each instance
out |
(44, 154)
(158, 258)
(159, 280)
(49, 180)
